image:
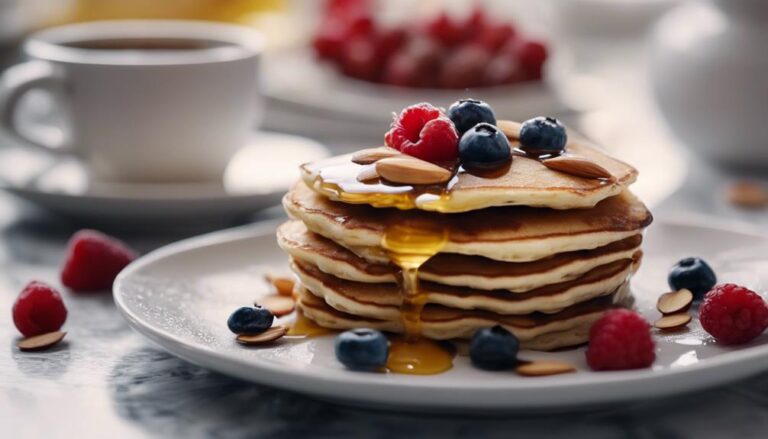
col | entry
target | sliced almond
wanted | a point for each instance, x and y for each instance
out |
(544, 368)
(747, 194)
(675, 302)
(373, 155)
(40, 342)
(510, 128)
(265, 337)
(278, 305)
(672, 321)
(578, 166)
(283, 285)
(410, 170)
(368, 173)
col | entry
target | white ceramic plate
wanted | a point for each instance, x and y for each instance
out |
(256, 178)
(180, 297)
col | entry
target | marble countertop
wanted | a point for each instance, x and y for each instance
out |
(107, 381)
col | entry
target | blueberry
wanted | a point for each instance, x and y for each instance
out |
(494, 349)
(362, 349)
(543, 135)
(693, 274)
(467, 113)
(484, 146)
(248, 320)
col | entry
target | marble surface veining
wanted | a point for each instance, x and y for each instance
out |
(107, 381)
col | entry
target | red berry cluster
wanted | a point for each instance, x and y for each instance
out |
(423, 131)
(442, 52)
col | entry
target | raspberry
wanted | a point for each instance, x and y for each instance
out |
(38, 309)
(464, 68)
(334, 33)
(445, 30)
(93, 261)
(503, 69)
(733, 314)
(328, 41)
(620, 340)
(423, 131)
(389, 41)
(476, 19)
(359, 59)
(494, 36)
(531, 55)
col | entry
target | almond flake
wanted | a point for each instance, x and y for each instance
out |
(277, 305)
(410, 170)
(373, 155)
(510, 128)
(544, 368)
(578, 166)
(368, 173)
(747, 194)
(672, 321)
(674, 302)
(265, 337)
(283, 285)
(40, 342)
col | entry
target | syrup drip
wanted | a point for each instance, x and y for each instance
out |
(409, 245)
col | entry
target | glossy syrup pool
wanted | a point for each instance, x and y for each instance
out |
(304, 327)
(339, 180)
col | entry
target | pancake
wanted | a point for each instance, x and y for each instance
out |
(512, 234)
(536, 331)
(383, 300)
(451, 269)
(526, 183)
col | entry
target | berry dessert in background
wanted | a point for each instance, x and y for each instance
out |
(439, 52)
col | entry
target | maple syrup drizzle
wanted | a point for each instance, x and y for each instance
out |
(409, 244)
(340, 181)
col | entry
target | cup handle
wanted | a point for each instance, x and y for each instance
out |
(15, 82)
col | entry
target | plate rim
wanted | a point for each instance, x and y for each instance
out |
(665, 381)
(26, 192)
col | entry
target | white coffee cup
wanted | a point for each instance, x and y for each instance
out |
(146, 100)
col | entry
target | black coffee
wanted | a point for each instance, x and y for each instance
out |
(146, 44)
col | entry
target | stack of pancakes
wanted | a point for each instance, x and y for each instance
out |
(540, 252)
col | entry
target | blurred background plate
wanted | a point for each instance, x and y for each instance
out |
(294, 80)
(256, 178)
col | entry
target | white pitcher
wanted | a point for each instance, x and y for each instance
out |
(710, 78)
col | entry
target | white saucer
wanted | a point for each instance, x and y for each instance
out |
(257, 176)
(180, 297)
